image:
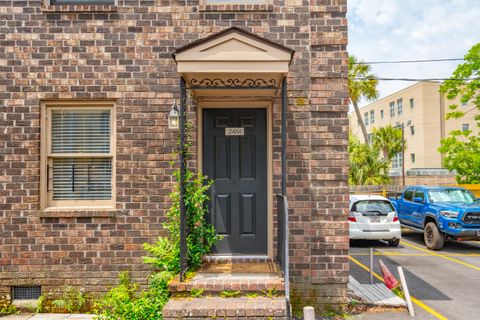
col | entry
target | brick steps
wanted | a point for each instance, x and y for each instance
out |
(217, 307)
(214, 284)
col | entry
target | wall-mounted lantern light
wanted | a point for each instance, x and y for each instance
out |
(174, 117)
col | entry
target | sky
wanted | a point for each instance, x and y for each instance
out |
(387, 30)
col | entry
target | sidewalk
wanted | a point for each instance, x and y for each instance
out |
(48, 316)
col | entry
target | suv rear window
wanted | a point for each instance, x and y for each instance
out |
(408, 195)
(373, 206)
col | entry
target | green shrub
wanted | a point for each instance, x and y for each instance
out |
(72, 301)
(165, 253)
(126, 302)
(7, 308)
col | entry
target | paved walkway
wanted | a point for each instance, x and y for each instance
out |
(48, 316)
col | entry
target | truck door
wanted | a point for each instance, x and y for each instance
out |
(405, 206)
(418, 206)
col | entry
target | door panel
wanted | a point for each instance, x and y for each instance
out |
(222, 158)
(222, 219)
(247, 214)
(239, 174)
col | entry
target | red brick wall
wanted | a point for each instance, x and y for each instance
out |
(124, 53)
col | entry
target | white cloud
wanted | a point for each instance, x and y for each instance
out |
(385, 30)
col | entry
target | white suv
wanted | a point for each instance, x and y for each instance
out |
(373, 218)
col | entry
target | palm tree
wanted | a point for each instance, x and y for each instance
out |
(366, 166)
(361, 84)
(388, 140)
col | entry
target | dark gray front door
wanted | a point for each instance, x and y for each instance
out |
(235, 158)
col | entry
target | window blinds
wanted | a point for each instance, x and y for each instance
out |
(80, 131)
(82, 179)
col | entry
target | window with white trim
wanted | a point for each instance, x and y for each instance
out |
(365, 117)
(397, 160)
(465, 127)
(412, 103)
(372, 116)
(78, 154)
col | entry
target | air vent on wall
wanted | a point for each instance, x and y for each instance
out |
(26, 292)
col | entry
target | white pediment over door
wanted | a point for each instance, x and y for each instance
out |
(233, 50)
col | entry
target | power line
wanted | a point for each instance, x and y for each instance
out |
(410, 61)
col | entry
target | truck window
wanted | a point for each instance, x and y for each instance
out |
(408, 195)
(451, 195)
(420, 194)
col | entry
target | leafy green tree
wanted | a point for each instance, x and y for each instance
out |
(462, 149)
(464, 83)
(388, 140)
(366, 165)
(462, 154)
(361, 84)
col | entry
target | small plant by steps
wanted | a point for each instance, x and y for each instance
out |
(196, 293)
(229, 294)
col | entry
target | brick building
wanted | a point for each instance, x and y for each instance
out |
(85, 93)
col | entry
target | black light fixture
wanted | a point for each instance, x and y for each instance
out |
(174, 117)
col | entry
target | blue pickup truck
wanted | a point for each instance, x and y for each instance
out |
(440, 212)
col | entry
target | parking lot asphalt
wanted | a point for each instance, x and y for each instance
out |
(445, 284)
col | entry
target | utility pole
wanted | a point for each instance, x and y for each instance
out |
(403, 154)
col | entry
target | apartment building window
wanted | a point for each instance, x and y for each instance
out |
(464, 103)
(372, 116)
(78, 154)
(412, 103)
(81, 2)
(365, 116)
(392, 109)
(397, 161)
(412, 157)
(400, 106)
(381, 114)
(465, 127)
(412, 130)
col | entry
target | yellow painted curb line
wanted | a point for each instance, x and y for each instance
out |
(398, 254)
(439, 255)
(415, 300)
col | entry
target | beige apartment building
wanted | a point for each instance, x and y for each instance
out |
(422, 110)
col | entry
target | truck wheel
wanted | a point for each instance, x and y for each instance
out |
(434, 239)
(394, 243)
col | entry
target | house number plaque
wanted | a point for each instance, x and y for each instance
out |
(234, 131)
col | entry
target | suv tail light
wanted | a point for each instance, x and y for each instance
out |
(395, 219)
(352, 219)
